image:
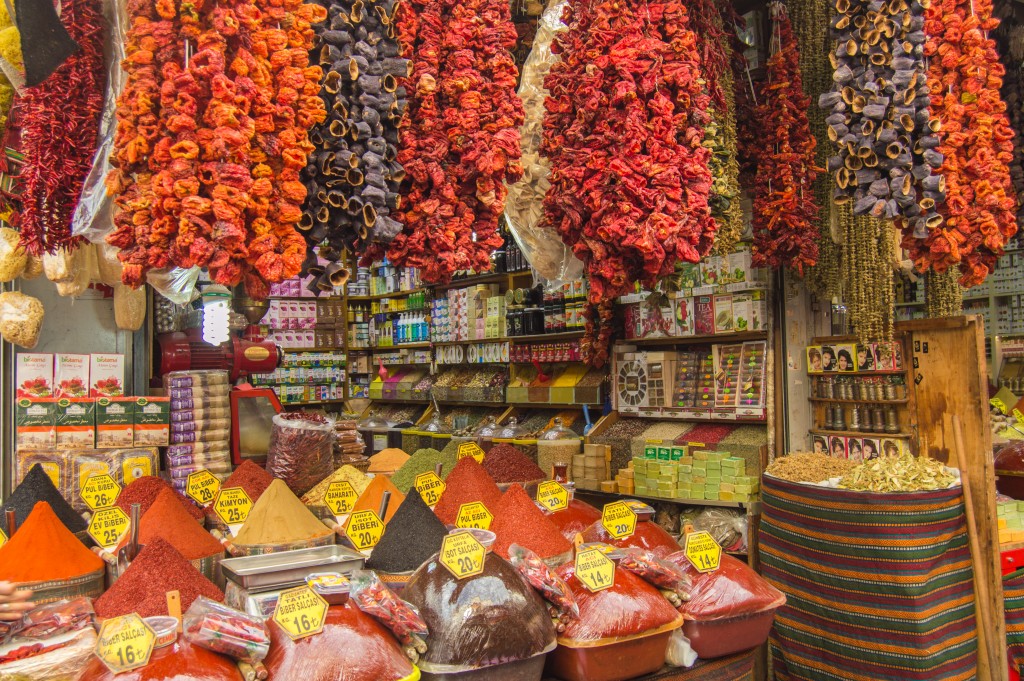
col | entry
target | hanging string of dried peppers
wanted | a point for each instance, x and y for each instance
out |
(1011, 52)
(785, 211)
(460, 141)
(630, 180)
(976, 142)
(748, 132)
(59, 128)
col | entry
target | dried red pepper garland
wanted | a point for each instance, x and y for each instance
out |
(460, 141)
(629, 178)
(976, 143)
(785, 209)
(59, 128)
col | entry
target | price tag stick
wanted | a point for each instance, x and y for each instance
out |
(132, 549)
(385, 500)
(174, 606)
(12, 523)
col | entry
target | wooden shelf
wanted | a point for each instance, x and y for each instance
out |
(684, 502)
(860, 433)
(480, 341)
(311, 402)
(884, 372)
(541, 337)
(838, 401)
(554, 405)
(382, 296)
(737, 337)
(392, 348)
(312, 298)
(298, 350)
(488, 278)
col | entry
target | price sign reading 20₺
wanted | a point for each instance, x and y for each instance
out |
(364, 529)
(553, 496)
(300, 612)
(618, 520)
(462, 554)
(125, 643)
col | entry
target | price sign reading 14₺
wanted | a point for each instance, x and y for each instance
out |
(618, 520)
(202, 486)
(300, 612)
(595, 570)
(340, 497)
(430, 488)
(232, 505)
(703, 551)
(108, 526)
(100, 491)
(471, 449)
(553, 496)
(364, 529)
(462, 554)
(474, 515)
(125, 643)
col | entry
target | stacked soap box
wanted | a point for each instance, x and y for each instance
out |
(673, 472)
(1011, 521)
(591, 468)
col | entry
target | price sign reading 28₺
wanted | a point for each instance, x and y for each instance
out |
(202, 486)
(108, 525)
(125, 643)
(364, 529)
(703, 551)
(430, 487)
(595, 570)
(552, 496)
(300, 612)
(100, 491)
(618, 520)
(471, 449)
(340, 497)
(474, 515)
(462, 554)
(232, 505)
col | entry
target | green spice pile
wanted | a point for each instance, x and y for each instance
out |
(903, 473)
(809, 467)
(423, 461)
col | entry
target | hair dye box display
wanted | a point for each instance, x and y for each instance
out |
(152, 421)
(107, 373)
(34, 374)
(115, 422)
(76, 423)
(35, 423)
(71, 375)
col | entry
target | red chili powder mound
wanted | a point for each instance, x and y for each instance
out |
(467, 482)
(43, 549)
(143, 587)
(518, 520)
(579, 516)
(506, 463)
(250, 477)
(143, 491)
(167, 520)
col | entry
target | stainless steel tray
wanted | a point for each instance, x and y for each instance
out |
(270, 570)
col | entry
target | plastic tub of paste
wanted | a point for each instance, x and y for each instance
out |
(165, 628)
(729, 635)
(331, 586)
(624, 658)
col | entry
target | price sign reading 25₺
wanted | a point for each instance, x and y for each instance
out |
(430, 487)
(232, 505)
(619, 520)
(125, 643)
(474, 515)
(100, 491)
(364, 529)
(108, 525)
(703, 551)
(595, 570)
(300, 612)
(462, 554)
(340, 497)
(471, 449)
(202, 486)
(552, 496)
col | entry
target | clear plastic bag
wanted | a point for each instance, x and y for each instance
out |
(63, 265)
(663, 574)
(52, 619)
(575, 519)
(727, 526)
(21, 318)
(108, 264)
(129, 307)
(732, 590)
(301, 449)
(63, 664)
(374, 598)
(13, 258)
(542, 578)
(649, 535)
(680, 653)
(224, 630)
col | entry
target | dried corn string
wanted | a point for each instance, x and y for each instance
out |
(944, 297)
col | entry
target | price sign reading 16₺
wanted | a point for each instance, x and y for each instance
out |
(619, 520)
(553, 496)
(462, 554)
(202, 486)
(364, 529)
(430, 487)
(474, 515)
(703, 551)
(232, 506)
(471, 449)
(125, 643)
(100, 491)
(108, 525)
(595, 570)
(300, 612)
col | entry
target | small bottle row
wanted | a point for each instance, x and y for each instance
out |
(862, 418)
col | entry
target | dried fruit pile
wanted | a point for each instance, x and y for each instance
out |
(976, 143)
(353, 176)
(59, 122)
(630, 180)
(207, 155)
(785, 210)
(460, 139)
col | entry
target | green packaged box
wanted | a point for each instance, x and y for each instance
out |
(35, 423)
(678, 453)
(115, 422)
(650, 451)
(664, 453)
(76, 423)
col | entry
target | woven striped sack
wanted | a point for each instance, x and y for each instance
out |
(878, 586)
(1013, 604)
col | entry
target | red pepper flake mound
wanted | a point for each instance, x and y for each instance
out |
(143, 587)
(579, 516)
(167, 520)
(43, 549)
(467, 482)
(649, 535)
(144, 492)
(506, 463)
(250, 477)
(518, 520)
(708, 434)
(629, 607)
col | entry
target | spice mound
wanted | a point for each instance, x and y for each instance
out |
(579, 516)
(468, 482)
(518, 520)
(903, 473)
(168, 520)
(144, 492)
(37, 486)
(413, 536)
(252, 478)
(809, 467)
(43, 549)
(279, 518)
(388, 461)
(180, 661)
(649, 535)
(423, 461)
(506, 463)
(489, 619)
(353, 476)
(371, 497)
(143, 587)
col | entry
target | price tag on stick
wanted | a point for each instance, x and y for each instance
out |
(430, 488)
(125, 643)
(619, 520)
(341, 498)
(202, 486)
(703, 551)
(108, 526)
(364, 529)
(100, 491)
(462, 554)
(232, 505)
(471, 449)
(474, 515)
(553, 496)
(300, 612)
(595, 570)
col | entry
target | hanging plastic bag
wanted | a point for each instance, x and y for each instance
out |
(107, 264)
(301, 449)
(85, 266)
(21, 318)
(13, 258)
(129, 307)
(374, 598)
(542, 578)
(224, 630)
(62, 265)
(33, 267)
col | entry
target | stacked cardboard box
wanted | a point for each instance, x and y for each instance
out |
(591, 468)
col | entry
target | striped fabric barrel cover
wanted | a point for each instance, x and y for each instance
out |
(1013, 603)
(877, 586)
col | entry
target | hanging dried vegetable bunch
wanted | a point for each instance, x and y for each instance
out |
(976, 143)
(10, 51)
(209, 148)
(943, 295)
(748, 131)
(630, 181)
(460, 139)
(59, 122)
(866, 266)
(1011, 52)
(785, 210)
(353, 177)
(879, 113)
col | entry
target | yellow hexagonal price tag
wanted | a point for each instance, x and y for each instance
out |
(300, 612)
(595, 570)
(125, 643)
(108, 526)
(462, 554)
(474, 515)
(232, 505)
(618, 520)
(100, 491)
(553, 496)
(703, 551)
(471, 449)
(430, 488)
(3, 538)
(341, 497)
(364, 529)
(202, 486)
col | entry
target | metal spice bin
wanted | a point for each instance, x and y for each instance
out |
(272, 570)
(265, 549)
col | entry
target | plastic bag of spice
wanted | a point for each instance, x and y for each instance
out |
(542, 578)
(733, 590)
(22, 660)
(371, 596)
(301, 449)
(648, 535)
(662, 573)
(224, 630)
